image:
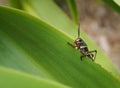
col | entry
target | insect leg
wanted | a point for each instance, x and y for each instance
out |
(82, 57)
(71, 44)
(94, 55)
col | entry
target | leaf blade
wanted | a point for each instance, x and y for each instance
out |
(61, 22)
(113, 5)
(58, 63)
(73, 10)
(21, 80)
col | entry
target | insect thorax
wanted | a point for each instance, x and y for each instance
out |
(80, 42)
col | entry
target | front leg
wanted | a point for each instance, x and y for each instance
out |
(74, 46)
(71, 44)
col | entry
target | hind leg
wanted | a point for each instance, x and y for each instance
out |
(93, 56)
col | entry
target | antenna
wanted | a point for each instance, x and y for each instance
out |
(79, 31)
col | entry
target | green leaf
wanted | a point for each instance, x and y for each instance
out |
(29, 44)
(50, 13)
(16, 3)
(112, 4)
(13, 79)
(73, 10)
(117, 1)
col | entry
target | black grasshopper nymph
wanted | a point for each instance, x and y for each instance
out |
(80, 45)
